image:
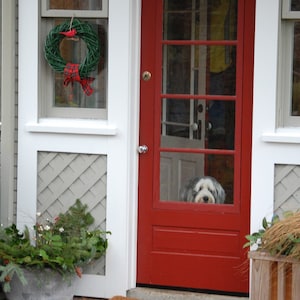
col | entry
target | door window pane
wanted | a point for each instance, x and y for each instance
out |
(211, 122)
(200, 20)
(196, 178)
(198, 58)
(199, 69)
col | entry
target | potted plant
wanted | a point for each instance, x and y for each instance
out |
(62, 247)
(275, 256)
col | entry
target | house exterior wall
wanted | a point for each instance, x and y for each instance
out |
(287, 188)
(117, 138)
(274, 149)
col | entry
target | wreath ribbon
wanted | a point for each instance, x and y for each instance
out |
(71, 74)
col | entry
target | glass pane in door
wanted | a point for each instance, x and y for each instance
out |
(198, 134)
(190, 69)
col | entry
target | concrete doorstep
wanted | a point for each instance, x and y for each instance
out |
(142, 293)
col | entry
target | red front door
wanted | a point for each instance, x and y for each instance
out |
(195, 119)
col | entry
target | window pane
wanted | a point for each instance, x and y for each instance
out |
(295, 5)
(179, 173)
(200, 20)
(75, 51)
(199, 70)
(198, 124)
(296, 72)
(75, 4)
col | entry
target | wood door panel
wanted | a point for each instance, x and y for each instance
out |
(199, 271)
(195, 241)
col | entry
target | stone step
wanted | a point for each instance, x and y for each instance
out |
(142, 293)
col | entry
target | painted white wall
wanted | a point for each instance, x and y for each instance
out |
(271, 145)
(117, 138)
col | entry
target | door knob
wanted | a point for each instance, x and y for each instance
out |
(146, 75)
(142, 149)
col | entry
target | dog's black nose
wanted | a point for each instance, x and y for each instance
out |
(205, 199)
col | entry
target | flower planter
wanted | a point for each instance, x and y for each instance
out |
(41, 285)
(274, 278)
(62, 245)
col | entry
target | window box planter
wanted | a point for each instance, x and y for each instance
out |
(274, 277)
(41, 285)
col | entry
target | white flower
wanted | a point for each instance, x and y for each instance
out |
(47, 227)
(61, 229)
(38, 214)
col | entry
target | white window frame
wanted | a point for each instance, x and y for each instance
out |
(285, 63)
(46, 90)
(287, 13)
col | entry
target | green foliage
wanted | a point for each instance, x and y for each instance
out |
(64, 245)
(255, 239)
(280, 237)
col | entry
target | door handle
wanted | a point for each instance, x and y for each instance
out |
(146, 75)
(142, 149)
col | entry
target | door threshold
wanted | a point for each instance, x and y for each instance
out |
(154, 293)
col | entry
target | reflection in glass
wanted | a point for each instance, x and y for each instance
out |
(75, 51)
(295, 5)
(211, 121)
(183, 182)
(188, 20)
(221, 167)
(76, 4)
(296, 72)
(185, 70)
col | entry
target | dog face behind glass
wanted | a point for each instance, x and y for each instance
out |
(203, 190)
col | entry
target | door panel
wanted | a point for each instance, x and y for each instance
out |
(191, 121)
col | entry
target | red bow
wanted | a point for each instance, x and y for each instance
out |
(71, 74)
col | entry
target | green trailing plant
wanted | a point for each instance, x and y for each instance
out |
(255, 239)
(64, 245)
(279, 237)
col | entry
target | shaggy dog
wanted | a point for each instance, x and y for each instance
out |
(203, 190)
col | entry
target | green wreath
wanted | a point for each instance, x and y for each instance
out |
(82, 30)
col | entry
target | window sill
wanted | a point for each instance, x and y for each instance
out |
(72, 126)
(286, 135)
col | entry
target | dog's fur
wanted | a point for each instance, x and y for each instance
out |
(203, 190)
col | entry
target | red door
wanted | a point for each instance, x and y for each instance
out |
(195, 119)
